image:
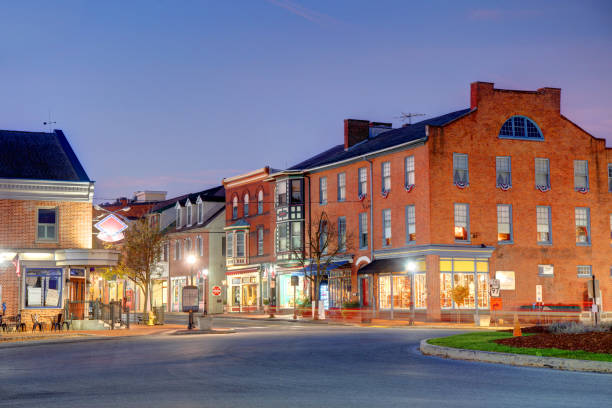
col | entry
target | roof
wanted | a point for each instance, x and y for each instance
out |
(384, 140)
(39, 156)
(212, 194)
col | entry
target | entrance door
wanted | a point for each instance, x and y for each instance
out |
(365, 291)
(77, 298)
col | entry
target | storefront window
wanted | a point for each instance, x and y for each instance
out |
(456, 272)
(420, 293)
(401, 292)
(286, 290)
(384, 289)
(339, 287)
(43, 287)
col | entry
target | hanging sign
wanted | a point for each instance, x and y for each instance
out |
(111, 228)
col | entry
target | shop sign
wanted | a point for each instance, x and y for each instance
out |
(506, 280)
(216, 291)
(191, 302)
(111, 228)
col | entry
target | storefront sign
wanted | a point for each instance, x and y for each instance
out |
(506, 280)
(216, 291)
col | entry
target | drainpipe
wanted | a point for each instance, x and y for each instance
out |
(309, 230)
(374, 304)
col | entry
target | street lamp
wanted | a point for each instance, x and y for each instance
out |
(205, 290)
(412, 267)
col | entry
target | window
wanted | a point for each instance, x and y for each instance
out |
(542, 174)
(583, 227)
(610, 177)
(503, 171)
(543, 229)
(200, 243)
(229, 248)
(610, 228)
(460, 169)
(296, 235)
(260, 196)
(188, 213)
(235, 208)
(363, 182)
(47, 224)
(165, 250)
(522, 128)
(43, 287)
(410, 224)
(281, 193)
(341, 186)
(546, 270)
(386, 215)
(581, 175)
(341, 234)
(179, 220)
(240, 244)
(504, 223)
(363, 230)
(177, 250)
(323, 190)
(462, 227)
(386, 176)
(260, 243)
(470, 273)
(200, 213)
(584, 271)
(409, 171)
(188, 245)
(296, 191)
(323, 244)
(281, 230)
(246, 205)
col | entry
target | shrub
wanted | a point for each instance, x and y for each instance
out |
(351, 305)
(577, 328)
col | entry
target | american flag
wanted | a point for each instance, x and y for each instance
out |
(16, 263)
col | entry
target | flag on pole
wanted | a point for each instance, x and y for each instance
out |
(16, 263)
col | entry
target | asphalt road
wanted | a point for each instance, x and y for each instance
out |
(279, 364)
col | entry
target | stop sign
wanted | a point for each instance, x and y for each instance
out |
(216, 290)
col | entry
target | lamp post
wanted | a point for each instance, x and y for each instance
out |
(411, 266)
(190, 260)
(205, 290)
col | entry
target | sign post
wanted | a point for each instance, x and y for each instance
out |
(496, 302)
(190, 303)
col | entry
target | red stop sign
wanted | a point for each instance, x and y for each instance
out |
(216, 290)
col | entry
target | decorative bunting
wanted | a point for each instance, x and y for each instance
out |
(582, 190)
(461, 184)
(362, 196)
(409, 187)
(385, 193)
(543, 188)
(504, 187)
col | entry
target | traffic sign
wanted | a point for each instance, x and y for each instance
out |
(216, 290)
(496, 303)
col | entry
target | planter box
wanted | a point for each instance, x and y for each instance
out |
(203, 322)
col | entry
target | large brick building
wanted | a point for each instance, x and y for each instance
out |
(45, 226)
(508, 188)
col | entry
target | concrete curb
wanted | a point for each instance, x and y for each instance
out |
(515, 359)
(44, 342)
(190, 332)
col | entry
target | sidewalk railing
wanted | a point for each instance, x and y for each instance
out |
(112, 313)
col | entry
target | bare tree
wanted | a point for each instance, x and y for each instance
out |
(324, 244)
(142, 250)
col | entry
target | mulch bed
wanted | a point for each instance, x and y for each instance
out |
(596, 342)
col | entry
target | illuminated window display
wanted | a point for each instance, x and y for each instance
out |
(286, 290)
(462, 272)
(394, 290)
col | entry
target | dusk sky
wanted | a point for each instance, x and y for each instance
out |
(175, 96)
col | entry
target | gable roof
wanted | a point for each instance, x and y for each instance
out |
(39, 156)
(216, 194)
(384, 140)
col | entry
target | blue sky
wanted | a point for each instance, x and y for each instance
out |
(177, 95)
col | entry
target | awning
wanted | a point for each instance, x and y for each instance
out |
(242, 271)
(313, 267)
(384, 266)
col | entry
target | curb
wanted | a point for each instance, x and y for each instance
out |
(523, 360)
(44, 342)
(190, 332)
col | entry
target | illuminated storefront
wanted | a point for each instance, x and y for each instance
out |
(339, 285)
(286, 298)
(177, 295)
(456, 272)
(243, 293)
(394, 289)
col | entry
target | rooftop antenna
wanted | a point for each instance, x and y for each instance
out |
(408, 116)
(49, 123)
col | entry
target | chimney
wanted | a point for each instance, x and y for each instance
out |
(479, 90)
(355, 131)
(123, 201)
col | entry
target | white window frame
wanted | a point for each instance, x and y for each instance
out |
(459, 159)
(245, 205)
(547, 185)
(341, 186)
(500, 162)
(458, 207)
(386, 176)
(540, 216)
(581, 171)
(260, 197)
(410, 223)
(55, 238)
(586, 218)
(323, 190)
(387, 231)
(362, 180)
(501, 213)
(260, 241)
(409, 171)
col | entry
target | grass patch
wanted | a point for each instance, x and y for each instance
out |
(483, 341)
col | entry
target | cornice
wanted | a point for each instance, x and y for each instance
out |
(46, 190)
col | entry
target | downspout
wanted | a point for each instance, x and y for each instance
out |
(309, 225)
(374, 304)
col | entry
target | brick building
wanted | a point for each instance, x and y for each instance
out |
(45, 226)
(508, 188)
(249, 226)
(193, 224)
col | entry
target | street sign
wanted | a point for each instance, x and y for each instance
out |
(190, 299)
(496, 303)
(295, 280)
(494, 287)
(216, 291)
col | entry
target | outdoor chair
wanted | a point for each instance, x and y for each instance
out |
(19, 325)
(36, 323)
(59, 322)
(2, 323)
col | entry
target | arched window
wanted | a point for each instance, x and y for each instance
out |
(235, 208)
(260, 202)
(246, 205)
(520, 127)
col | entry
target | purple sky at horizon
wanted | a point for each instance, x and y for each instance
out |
(171, 96)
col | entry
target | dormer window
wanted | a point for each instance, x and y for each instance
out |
(179, 221)
(200, 212)
(520, 127)
(189, 213)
